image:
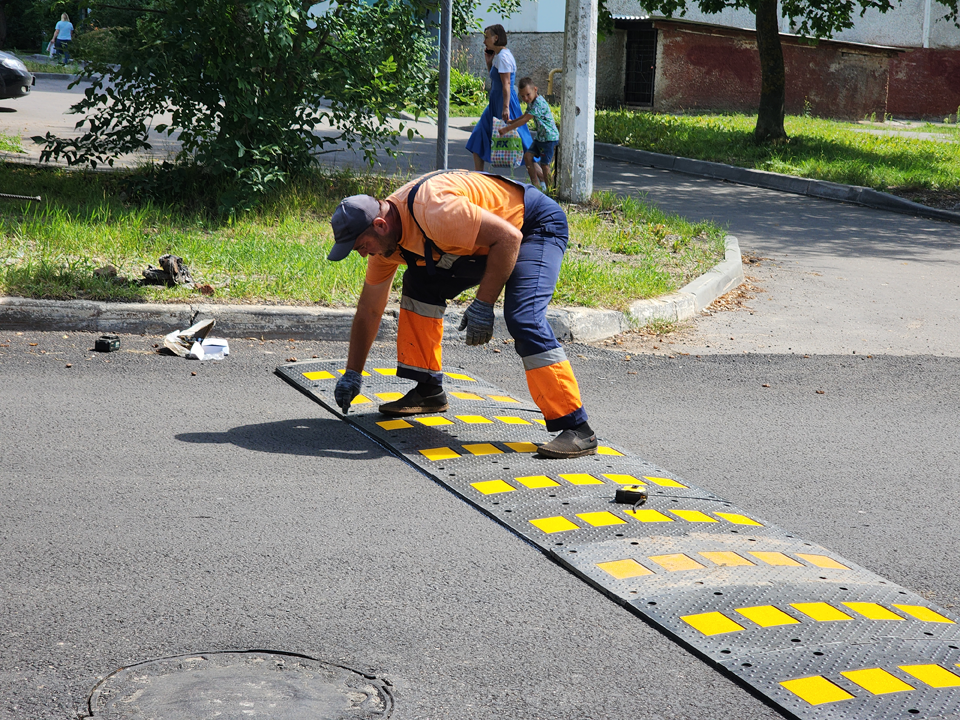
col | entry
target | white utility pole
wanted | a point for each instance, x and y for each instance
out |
(578, 101)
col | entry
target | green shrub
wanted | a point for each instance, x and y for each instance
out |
(97, 45)
(465, 88)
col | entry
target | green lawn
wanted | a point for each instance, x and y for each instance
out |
(822, 149)
(620, 249)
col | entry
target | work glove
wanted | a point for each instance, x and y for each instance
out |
(478, 322)
(348, 387)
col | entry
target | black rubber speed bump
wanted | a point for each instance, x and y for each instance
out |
(809, 631)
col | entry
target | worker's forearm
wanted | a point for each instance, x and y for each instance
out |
(366, 324)
(503, 241)
(500, 263)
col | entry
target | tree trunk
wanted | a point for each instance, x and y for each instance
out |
(773, 82)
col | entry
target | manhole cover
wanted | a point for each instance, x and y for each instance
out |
(226, 685)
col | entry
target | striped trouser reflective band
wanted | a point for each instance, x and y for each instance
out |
(552, 384)
(419, 335)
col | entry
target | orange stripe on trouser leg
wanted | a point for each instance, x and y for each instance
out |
(418, 341)
(554, 389)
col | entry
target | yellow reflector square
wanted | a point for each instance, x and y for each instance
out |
(872, 611)
(537, 481)
(554, 524)
(600, 519)
(434, 420)
(776, 558)
(692, 516)
(737, 519)
(474, 419)
(521, 446)
(623, 569)
(711, 623)
(820, 611)
(364, 373)
(483, 449)
(394, 424)
(767, 616)
(876, 681)
(540, 420)
(318, 375)
(465, 395)
(491, 487)
(604, 450)
(923, 613)
(816, 690)
(648, 515)
(439, 454)
(664, 482)
(389, 396)
(726, 558)
(581, 479)
(511, 420)
(822, 561)
(360, 400)
(502, 398)
(932, 675)
(623, 479)
(676, 561)
(386, 371)
(458, 376)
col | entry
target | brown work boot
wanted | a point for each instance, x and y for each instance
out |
(572, 443)
(413, 403)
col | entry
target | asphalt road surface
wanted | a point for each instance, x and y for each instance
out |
(149, 511)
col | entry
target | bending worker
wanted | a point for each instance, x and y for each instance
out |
(455, 230)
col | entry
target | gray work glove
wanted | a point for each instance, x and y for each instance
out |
(348, 387)
(478, 322)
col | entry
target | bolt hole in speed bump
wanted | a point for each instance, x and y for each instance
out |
(810, 632)
(256, 684)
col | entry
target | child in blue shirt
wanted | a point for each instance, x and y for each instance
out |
(545, 138)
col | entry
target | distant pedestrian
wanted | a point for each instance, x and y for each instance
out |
(546, 138)
(504, 103)
(62, 35)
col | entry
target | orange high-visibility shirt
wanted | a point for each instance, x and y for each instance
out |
(448, 209)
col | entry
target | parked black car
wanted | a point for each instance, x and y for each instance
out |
(15, 79)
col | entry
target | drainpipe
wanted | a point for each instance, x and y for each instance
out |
(926, 22)
(550, 79)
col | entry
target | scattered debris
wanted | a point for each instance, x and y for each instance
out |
(194, 342)
(106, 272)
(107, 343)
(172, 271)
(206, 289)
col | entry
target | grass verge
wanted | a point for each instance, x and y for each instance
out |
(841, 152)
(620, 249)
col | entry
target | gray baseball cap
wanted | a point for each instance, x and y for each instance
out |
(354, 215)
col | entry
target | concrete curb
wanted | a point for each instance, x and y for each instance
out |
(855, 194)
(309, 323)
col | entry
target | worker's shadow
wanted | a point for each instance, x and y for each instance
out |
(311, 437)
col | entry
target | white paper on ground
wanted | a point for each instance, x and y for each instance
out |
(209, 349)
